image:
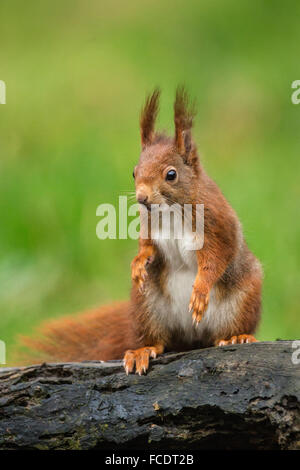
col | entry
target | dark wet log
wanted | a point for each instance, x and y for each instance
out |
(244, 396)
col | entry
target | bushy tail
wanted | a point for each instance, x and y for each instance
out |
(101, 334)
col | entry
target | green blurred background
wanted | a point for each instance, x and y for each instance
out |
(76, 74)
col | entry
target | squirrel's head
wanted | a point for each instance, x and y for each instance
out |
(168, 168)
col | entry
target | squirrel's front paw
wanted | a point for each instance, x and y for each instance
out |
(199, 302)
(139, 270)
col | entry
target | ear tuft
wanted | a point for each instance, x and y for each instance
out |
(148, 117)
(184, 113)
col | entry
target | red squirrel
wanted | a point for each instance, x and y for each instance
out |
(180, 299)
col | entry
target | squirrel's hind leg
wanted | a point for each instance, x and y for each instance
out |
(239, 339)
(248, 310)
(139, 358)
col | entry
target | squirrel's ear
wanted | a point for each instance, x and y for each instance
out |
(148, 116)
(184, 114)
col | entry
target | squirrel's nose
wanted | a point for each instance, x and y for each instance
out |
(142, 199)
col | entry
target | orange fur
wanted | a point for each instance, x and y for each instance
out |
(104, 333)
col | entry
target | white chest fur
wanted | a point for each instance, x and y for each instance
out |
(171, 307)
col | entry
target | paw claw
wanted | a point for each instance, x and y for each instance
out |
(139, 271)
(239, 339)
(139, 359)
(198, 304)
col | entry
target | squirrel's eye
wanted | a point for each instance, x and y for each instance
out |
(134, 171)
(171, 175)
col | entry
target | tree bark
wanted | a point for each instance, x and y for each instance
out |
(234, 397)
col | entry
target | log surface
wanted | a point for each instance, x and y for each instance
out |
(235, 397)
